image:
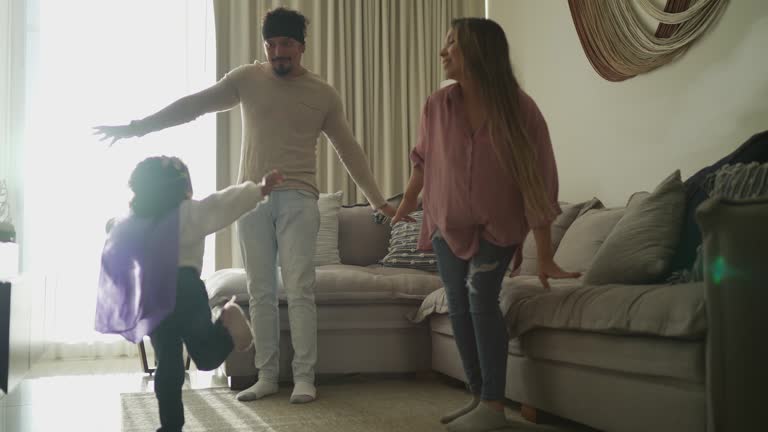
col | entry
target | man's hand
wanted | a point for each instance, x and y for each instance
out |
(550, 270)
(272, 179)
(406, 207)
(115, 132)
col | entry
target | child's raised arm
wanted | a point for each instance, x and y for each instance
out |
(220, 209)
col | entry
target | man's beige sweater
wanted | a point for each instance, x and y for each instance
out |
(282, 118)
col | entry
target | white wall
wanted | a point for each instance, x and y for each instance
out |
(612, 139)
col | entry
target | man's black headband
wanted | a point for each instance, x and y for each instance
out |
(278, 29)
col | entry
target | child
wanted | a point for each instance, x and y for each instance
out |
(150, 275)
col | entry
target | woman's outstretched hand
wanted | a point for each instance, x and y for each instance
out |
(550, 270)
(406, 207)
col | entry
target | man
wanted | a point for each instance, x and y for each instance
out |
(284, 109)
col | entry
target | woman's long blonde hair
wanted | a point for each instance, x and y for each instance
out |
(485, 52)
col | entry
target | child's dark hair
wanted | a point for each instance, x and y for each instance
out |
(284, 22)
(159, 184)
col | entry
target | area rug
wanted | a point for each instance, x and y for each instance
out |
(361, 404)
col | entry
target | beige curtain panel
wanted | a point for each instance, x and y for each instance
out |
(619, 46)
(381, 55)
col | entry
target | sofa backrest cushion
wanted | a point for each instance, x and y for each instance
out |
(363, 241)
(560, 225)
(584, 237)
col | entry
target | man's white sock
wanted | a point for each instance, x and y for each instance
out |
(259, 390)
(303, 392)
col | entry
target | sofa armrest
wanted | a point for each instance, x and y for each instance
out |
(735, 248)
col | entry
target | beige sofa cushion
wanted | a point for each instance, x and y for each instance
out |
(516, 288)
(337, 284)
(584, 237)
(677, 311)
(661, 310)
(640, 246)
(559, 227)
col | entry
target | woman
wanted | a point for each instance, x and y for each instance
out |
(485, 162)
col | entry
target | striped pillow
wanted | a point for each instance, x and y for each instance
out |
(403, 249)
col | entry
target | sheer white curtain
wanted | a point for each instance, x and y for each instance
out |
(18, 31)
(106, 62)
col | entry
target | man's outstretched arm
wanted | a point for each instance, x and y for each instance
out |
(352, 156)
(219, 97)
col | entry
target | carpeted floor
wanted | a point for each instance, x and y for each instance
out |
(358, 404)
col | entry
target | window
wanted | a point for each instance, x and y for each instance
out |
(106, 62)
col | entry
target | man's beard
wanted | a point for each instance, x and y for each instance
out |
(281, 69)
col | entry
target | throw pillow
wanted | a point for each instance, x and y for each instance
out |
(327, 243)
(640, 247)
(560, 225)
(636, 197)
(584, 237)
(403, 247)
